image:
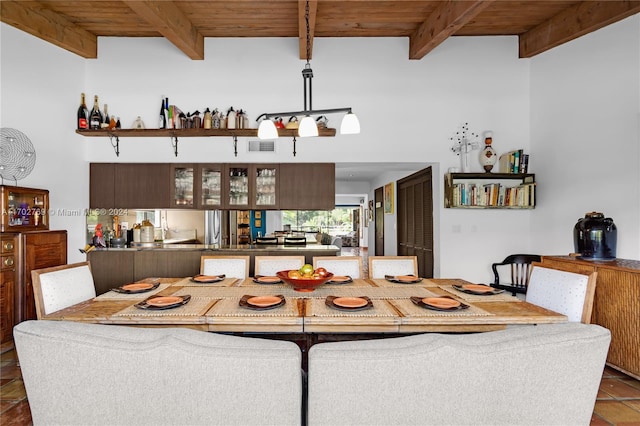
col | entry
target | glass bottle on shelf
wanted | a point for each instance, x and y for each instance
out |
(96, 115)
(83, 114)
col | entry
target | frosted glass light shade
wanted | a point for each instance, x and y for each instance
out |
(350, 124)
(307, 127)
(267, 130)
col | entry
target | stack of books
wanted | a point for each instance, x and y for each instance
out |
(514, 162)
(494, 195)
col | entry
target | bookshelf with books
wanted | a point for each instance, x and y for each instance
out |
(490, 190)
(516, 161)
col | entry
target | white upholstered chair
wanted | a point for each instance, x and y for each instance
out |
(379, 266)
(269, 265)
(543, 375)
(568, 293)
(231, 266)
(58, 287)
(90, 374)
(340, 265)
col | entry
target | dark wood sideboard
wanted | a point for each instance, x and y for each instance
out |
(616, 305)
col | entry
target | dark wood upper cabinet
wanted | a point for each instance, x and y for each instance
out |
(142, 185)
(307, 186)
(102, 185)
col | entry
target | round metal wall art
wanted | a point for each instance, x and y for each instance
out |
(17, 155)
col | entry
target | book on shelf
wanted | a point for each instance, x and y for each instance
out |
(515, 161)
(493, 195)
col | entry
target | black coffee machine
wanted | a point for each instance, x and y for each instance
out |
(595, 237)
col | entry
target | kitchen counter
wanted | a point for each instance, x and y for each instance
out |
(113, 267)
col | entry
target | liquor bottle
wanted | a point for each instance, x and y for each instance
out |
(162, 123)
(96, 115)
(231, 118)
(83, 115)
(105, 118)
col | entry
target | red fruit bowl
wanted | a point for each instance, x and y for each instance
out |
(305, 284)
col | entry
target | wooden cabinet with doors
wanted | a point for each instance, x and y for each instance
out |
(141, 185)
(23, 209)
(307, 186)
(252, 186)
(8, 254)
(102, 185)
(616, 305)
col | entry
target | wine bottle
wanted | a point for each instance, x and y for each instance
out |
(96, 115)
(83, 114)
(105, 118)
(162, 123)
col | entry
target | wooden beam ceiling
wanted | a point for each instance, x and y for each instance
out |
(40, 22)
(448, 18)
(574, 22)
(169, 21)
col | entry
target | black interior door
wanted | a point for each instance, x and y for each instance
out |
(378, 197)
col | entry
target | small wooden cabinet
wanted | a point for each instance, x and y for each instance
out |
(8, 248)
(616, 305)
(141, 185)
(307, 186)
(489, 191)
(23, 209)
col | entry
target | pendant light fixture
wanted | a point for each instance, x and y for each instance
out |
(308, 126)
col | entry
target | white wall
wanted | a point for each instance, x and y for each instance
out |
(585, 121)
(408, 110)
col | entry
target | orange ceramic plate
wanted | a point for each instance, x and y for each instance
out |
(164, 301)
(350, 302)
(340, 278)
(263, 301)
(268, 279)
(137, 286)
(441, 302)
(407, 278)
(479, 288)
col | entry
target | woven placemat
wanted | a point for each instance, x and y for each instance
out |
(409, 309)
(357, 282)
(381, 282)
(186, 282)
(501, 297)
(211, 292)
(197, 306)
(374, 293)
(114, 295)
(232, 308)
(317, 308)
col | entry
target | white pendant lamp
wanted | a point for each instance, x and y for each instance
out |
(267, 129)
(350, 124)
(307, 127)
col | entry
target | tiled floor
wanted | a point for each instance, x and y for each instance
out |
(618, 401)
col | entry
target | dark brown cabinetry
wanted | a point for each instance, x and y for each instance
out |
(8, 250)
(291, 186)
(39, 249)
(23, 209)
(307, 186)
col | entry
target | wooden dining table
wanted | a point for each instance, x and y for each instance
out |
(217, 307)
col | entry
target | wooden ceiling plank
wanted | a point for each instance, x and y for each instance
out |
(47, 25)
(302, 26)
(169, 21)
(445, 20)
(581, 19)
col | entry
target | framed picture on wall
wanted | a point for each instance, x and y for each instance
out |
(258, 223)
(257, 215)
(388, 198)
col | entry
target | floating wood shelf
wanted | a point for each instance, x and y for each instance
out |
(190, 133)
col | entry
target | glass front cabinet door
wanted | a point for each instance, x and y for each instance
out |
(266, 186)
(24, 209)
(210, 186)
(182, 185)
(238, 192)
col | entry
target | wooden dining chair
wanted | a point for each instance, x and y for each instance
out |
(231, 266)
(519, 265)
(340, 265)
(269, 265)
(379, 266)
(295, 241)
(59, 287)
(568, 293)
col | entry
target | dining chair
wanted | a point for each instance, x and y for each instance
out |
(543, 375)
(520, 267)
(340, 265)
(295, 241)
(61, 286)
(267, 240)
(379, 266)
(231, 266)
(269, 265)
(568, 293)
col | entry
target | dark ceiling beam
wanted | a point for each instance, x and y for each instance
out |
(448, 17)
(168, 20)
(302, 26)
(47, 25)
(578, 20)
